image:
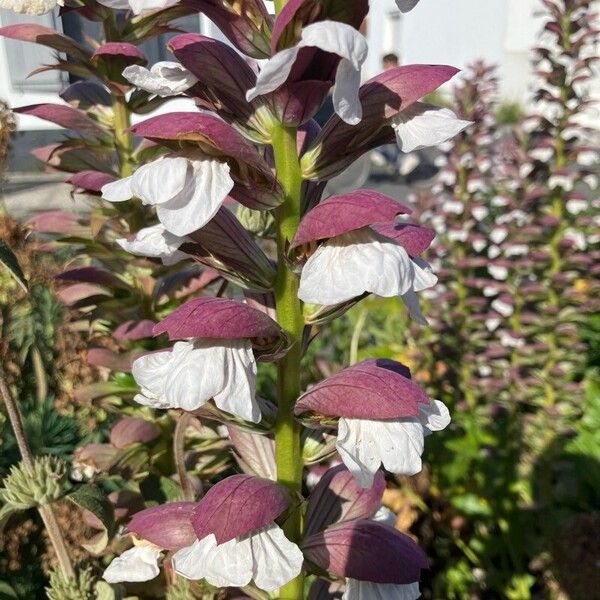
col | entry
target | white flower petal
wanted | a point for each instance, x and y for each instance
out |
(205, 188)
(190, 562)
(163, 79)
(144, 6)
(346, 102)
(239, 385)
(434, 416)
(358, 449)
(195, 371)
(368, 590)
(330, 36)
(161, 180)
(139, 563)
(274, 72)
(406, 5)
(366, 444)
(155, 242)
(353, 263)
(422, 125)
(118, 191)
(411, 301)
(222, 565)
(423, 275)
(276, 560)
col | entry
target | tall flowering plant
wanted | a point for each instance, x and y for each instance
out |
(292, 263)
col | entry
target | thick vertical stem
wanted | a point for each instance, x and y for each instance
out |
(46, 512)
(123, 137)
(288, 453)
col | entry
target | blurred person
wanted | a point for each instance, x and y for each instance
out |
(390, 61)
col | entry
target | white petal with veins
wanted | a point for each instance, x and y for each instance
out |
(265, 556)
(156, 242)
(360, 261)
(187, 193)
(335, 38)
(164, 79)
(192, 372)
(422, 125)
(365, 444)
(139, 563)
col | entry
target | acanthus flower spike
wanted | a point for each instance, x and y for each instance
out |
(382, 417)
(238, 540)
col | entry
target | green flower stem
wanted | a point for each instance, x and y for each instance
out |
(46, 512)
(288, 453)
(123, 137)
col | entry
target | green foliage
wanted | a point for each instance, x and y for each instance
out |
(509, 113)
(48, 432)
(10, 262)
(82, 588)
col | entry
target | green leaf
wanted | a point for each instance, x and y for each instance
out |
(7, 592)
(89, 497)
(9, 260)
(160, 489)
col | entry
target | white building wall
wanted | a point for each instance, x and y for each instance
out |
(457, 32)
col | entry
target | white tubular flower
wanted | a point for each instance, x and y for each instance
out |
(31, 7)
(138, 6)
(187, 193)
(192, 372)
(368, 590)
(360, 261)
(422, 125)
(163, 79)
(265, 556)
(329, 36)
(406, 5)
(396, 443)
(155, 242)
(139, 563)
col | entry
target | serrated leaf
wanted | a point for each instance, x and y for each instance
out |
(9, 260)
(89, 497)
